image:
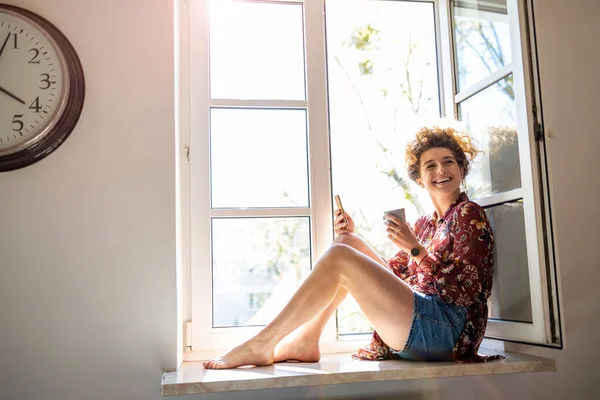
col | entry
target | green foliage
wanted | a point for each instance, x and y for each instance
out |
(366, 67)
(364, 38)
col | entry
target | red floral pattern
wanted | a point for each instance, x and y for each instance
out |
(459, 268)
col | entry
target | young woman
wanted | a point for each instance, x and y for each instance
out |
(428, 302)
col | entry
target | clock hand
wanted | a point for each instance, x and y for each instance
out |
(4, 44)
(6, 92)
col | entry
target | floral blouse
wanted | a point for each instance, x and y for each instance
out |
(458, 268)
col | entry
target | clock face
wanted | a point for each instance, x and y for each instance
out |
(33, 83)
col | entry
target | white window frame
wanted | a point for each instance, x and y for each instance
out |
(194, 104)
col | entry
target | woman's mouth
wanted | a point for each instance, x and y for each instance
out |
(442, 181)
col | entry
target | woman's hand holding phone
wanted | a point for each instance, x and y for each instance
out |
(342, 223)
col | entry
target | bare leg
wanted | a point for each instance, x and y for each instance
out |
(386, 301)
(303, 344)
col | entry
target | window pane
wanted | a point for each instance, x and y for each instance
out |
(258, 158)
(490, 118)
(383, 84)
(510, 299)
(251, 61)
(258, 263)
(482, 40)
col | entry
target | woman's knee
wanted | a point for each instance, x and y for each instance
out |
(338, 252)
(340, 257)
(350, 239)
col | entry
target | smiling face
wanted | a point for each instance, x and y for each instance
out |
(439, 173)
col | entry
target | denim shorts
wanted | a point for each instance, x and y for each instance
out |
(435, 328)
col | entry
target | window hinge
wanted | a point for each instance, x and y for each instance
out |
(537, 132)
(187, 336)
(186, 154)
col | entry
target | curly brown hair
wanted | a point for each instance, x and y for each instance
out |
(426, 138)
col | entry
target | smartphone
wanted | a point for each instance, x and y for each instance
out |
(399, 213)
(338, 203)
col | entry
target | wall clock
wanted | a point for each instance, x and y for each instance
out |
(42, 88)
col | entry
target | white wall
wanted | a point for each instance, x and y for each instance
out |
(87, 236)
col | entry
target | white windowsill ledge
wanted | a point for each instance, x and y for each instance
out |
(333, 369)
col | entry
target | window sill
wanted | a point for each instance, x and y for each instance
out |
(333, 369)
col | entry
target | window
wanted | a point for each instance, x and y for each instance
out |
(294, 101)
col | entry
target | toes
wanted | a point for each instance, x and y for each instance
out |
(217, 363)
(220, 365)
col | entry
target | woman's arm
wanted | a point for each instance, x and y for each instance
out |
(458, 280)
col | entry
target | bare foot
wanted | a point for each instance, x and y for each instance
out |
(253, 352)
(300, 348)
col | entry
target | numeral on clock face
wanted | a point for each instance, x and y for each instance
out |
(36, 105)
(45, 81)
(18, 122)
(34, 59)
(14, 36)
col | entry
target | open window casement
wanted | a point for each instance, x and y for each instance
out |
(491, 78)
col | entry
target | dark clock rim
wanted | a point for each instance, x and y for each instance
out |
(74, 99)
